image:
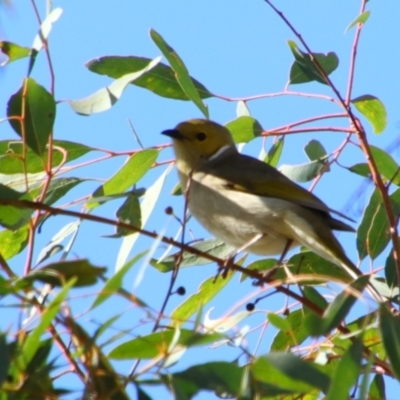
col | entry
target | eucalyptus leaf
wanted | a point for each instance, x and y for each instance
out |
(372, 109)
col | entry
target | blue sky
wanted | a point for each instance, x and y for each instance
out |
(236, 49)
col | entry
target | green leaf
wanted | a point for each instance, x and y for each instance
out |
(13, 52)
(213, 247)
(205, 293)
(337, 310)
(278, 375)
(305, 70)
(373, 233)
(298, 369)
(365, 327)
(105, 98)
(377, 388)
(32, 342)
(315, 297)
(361, 19)
(390, 327)
(279, 322)
(115, 282)
(346, 372)
(158, 343)
(13, 217)
(315, 151)
(244, 129)
(13, 286)
(160, 80)
(286, 339)
(361, 169)
(222, 378)
(5, 358)
(364, 228)
(181, 72)
(386, 165)
(149, 201)
(305, 263)
(13, 242)
(303, 172)
(129, 213)
(372, 109)
(261, 266)
(56, 274)
(31, 112)
(11, 156)
(57, 189)
(274, 153)
(390, 271)
(309, 263)
(134, 169)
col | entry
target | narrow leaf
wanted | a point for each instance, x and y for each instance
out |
(286, 339)
(149, 201)
(5, 358)
(105, 98)
(274, 153)
(373, 233)
(115, 282)
(214, 247)
(54, 246)
(129, 212)
(298, 369)
(279, 322)
(205, 293)
(159, 343)
(386, 165)
(58, 273)
(32, 342)
(221, 378)
(160, 80)
(134, 169)
(338, 309)
(346, 372)
(377, 388)
(390, 327)
(45, 28)
(181, 72)
(361, 19)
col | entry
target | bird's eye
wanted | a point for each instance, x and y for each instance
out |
(201, 136)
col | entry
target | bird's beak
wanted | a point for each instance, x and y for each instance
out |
(173, 133)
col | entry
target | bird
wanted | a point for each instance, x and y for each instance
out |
(248, 203)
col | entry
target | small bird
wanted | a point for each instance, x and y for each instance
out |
(247, 203)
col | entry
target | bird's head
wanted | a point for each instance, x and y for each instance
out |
(198, 140)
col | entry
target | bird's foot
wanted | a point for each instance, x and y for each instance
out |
(266, 276)
(224, 268)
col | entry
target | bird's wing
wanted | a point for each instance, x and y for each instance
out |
(247, 174)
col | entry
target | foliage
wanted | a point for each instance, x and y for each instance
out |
(319, 348)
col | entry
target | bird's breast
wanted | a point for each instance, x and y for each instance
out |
(237, 217)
